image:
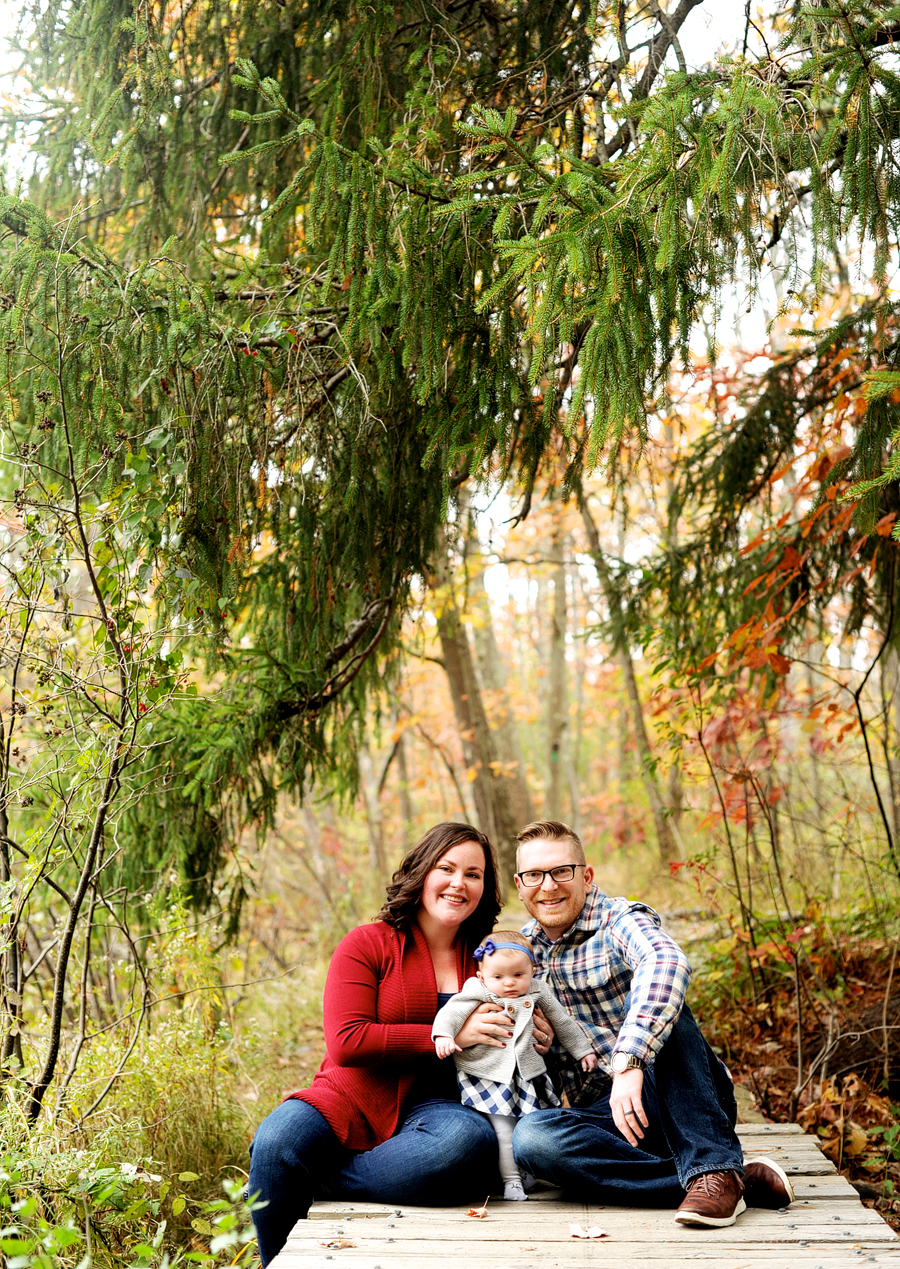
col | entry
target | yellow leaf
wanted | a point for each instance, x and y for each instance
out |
(471, 774)
(856, 1140)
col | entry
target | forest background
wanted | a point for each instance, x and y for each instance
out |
(417, 411)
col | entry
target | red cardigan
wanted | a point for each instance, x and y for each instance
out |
(380, 1000)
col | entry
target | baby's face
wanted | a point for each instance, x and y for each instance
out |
(507, 973)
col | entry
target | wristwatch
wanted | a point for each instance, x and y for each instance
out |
(626, 1062)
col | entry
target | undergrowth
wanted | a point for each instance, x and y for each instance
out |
(806, 1017)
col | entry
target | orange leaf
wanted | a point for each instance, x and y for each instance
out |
(751, 546)
(776, 475)
(755, 658)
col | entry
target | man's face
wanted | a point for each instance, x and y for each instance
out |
(554, 904)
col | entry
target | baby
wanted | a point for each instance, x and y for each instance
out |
(512, 1081)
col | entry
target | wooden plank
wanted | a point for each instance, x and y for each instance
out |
(605, 1253)
(826, 1228)
(834, 1189)
(620, 1224)
(769, 1130)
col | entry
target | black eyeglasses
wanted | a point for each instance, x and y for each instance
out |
(535, 876)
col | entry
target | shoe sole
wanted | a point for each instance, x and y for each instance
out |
(776, 1167)
(710, 1222)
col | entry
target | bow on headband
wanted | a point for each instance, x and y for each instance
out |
(489, 947)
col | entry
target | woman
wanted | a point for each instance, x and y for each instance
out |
(382, 1119)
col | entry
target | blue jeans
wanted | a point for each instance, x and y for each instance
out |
(689, 1101)
(442, 1152)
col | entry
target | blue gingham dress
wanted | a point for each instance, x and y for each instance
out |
(520, 1097)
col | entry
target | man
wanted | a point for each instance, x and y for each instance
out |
(655, 1125)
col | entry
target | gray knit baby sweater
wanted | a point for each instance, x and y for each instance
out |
(499, 1064)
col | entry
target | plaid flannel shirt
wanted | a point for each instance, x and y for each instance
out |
(619, 975)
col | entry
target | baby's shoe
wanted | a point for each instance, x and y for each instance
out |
(513, 1192)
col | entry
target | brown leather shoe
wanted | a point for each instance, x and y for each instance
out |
(714, 1199)
(766, 1184)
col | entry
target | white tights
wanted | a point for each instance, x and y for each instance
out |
(503, 1126)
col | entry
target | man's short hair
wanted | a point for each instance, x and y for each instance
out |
(551, 831)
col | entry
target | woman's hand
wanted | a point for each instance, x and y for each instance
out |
(483, 1027)
(544, 1034)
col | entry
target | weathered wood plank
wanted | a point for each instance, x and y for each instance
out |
(769, 1130)
(621, 1224)
(601, 1254)
(826, 1228)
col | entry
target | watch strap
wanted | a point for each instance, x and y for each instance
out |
(622, 1062)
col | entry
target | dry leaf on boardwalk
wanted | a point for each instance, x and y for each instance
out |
(335, 1244)
(479, 1212)
(594, 1232)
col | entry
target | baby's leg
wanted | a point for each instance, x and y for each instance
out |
(503, 1126)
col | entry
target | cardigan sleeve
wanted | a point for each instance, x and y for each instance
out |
(456, 1011)
(354, 1036)
(570, 1034)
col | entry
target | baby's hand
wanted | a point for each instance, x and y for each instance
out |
(590, 1062)
(444, 1046)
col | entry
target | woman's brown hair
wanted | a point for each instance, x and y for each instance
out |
(405, 890)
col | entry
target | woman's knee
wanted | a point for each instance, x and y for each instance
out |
(288, 1135)
(533, 1140)
(463, 1133)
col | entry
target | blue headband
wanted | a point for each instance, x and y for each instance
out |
(489, 947)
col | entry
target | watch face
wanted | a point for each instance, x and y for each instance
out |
(619, 1063)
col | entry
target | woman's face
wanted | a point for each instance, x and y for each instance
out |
(454, 886)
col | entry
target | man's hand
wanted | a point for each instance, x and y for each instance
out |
(589, 1062)
(544, 1034)
(483, 1027)
(444, 1046)
(626, 1105)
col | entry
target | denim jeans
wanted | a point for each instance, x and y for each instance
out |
(689, 1102)
(442, 1152)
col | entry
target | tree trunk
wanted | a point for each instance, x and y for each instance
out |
(407, 811)
(492, 673)
(668, 836)
(369, 783)
(557, 695)
(890, 702)
(374, 774)
(491, 792)
(573, 765)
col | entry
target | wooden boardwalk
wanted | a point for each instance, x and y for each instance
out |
(826, 1226)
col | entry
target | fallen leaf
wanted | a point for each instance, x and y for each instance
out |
(479, 1212)
(335, 1244)
(594, 1232)
(856, 1139)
